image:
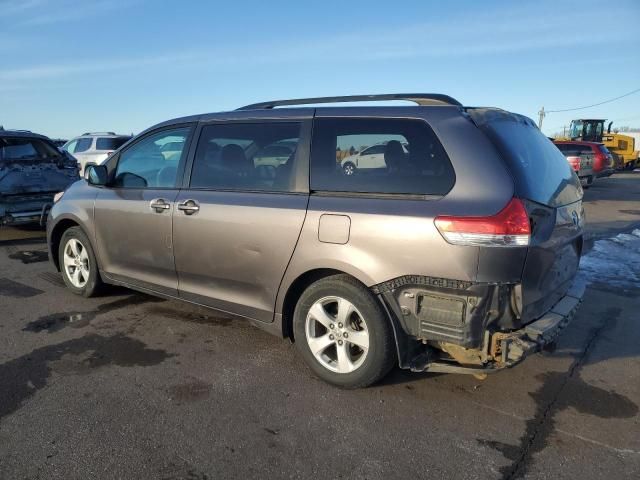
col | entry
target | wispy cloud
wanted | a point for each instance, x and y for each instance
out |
(508, 31)
(13, 7)
(64, 70)
(27, 13)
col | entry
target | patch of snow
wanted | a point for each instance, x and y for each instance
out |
(615, 261)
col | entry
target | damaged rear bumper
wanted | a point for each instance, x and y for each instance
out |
(505, 349)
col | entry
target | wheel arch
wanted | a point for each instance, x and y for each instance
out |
(57, 231)
(295, 289)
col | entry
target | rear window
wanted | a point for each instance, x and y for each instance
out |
(379, 156)
(110, 143)
(604, 150)
(570, 149)
(541, 172)
(15, 149)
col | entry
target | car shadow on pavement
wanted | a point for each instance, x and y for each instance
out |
(22, 377)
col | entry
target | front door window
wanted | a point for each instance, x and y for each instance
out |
(152, 162)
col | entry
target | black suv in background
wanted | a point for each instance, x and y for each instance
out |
(32, 171)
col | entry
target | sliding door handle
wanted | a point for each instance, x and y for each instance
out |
(189, 207)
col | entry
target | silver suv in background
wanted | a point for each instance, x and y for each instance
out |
(92, 148)
(457, 253)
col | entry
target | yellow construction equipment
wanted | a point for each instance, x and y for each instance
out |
(623, 147)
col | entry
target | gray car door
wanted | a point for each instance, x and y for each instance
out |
(133, 214)
(237, 220)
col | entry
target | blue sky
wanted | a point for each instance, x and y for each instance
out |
(68, 66)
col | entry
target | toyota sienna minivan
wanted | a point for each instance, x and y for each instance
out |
(457, 254)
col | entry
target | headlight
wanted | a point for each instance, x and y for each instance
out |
(57, 197)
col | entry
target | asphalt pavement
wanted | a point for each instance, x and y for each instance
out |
(130, 386)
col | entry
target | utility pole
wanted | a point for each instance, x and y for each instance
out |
(541, 115)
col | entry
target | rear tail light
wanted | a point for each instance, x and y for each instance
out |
(600, 161)
(508, 228)
(574, 162)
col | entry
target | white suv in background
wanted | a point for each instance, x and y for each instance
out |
(92, 148)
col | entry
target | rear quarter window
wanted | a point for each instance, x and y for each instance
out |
(541, 172)
(379, 156)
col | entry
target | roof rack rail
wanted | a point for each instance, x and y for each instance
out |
(419, 98)
(98, 133)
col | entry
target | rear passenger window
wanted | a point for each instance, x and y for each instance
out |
(110, 143)
(379, 156)
(246, 156)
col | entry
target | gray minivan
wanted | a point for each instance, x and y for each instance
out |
(457, 254)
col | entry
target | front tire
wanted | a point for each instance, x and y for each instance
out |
(78, 263)
(342, 333)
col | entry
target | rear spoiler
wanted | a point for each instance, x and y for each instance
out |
(484, 115)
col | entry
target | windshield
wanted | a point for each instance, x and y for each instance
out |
(587, 130)
(576, 129)
(17, 149)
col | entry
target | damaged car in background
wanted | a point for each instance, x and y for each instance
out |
(32, 171)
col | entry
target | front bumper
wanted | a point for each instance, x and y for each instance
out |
(505, 349)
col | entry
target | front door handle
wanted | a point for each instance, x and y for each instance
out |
(159, 205)
(189, 207)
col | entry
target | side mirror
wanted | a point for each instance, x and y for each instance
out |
(96, 175)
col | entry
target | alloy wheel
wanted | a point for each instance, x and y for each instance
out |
(337, 334)
(76, 263)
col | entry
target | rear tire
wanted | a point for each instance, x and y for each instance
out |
(78, 263)
(342, 333)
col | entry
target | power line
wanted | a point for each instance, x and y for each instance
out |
(595, 104)
(634, 117)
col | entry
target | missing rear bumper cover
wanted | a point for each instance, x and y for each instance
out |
(444, 310)
(505, 349)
